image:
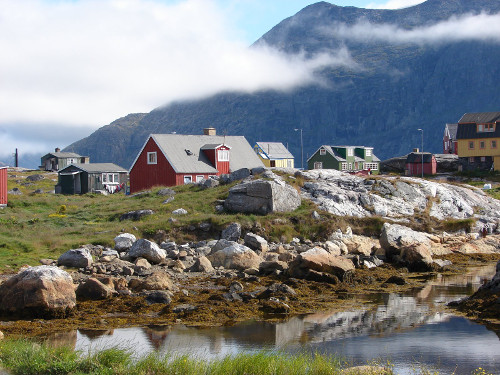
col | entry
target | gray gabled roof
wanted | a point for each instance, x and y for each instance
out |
(416, 157)
(174, 148)
(97, 168)
(336, 155)
(274, 150)
(480, 117)
(62, 155)
(452, 130)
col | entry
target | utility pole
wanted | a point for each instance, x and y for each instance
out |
(422, 152)
(16, 159)
(301, 149)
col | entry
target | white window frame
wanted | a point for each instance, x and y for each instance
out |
(188, 179)
(222, 155)
(471, 159)
(350, 152)
(199, 178)
(371, 166)
(152, 158)
(110, 178)
(368, 152)
(344, 166)
(71, 161)
(322, 151)
(212, 176)
(318, 165)
(350, 166)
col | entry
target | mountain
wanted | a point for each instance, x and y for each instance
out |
(392, 88)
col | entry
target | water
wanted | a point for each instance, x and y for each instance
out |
(412, 330)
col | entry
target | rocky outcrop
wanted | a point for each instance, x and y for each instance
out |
(397, 197)
(42, 291)
(136, 215)
(124, 241)
(232, 232)
(262, 197)
(319, 260)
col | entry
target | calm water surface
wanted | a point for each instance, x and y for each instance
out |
(411, 330)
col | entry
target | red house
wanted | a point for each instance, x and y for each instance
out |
(413, 164)
(176, 159)
(3, 186)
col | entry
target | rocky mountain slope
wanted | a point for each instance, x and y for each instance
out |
(390, 89)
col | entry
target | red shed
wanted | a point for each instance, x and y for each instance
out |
(3, 186)
(413, 165)
(176, 159)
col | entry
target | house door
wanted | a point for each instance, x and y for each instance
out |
(77, 183)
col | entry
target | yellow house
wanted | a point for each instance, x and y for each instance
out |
(274, 154)
(478, 141)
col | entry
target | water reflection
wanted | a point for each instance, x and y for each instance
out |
(405, 328)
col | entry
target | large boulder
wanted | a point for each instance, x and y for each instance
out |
(148, 250)
(42, 291)
(320, 260)
(124, 241)
(237, 257)
(158, 280)
(256, 242)
(202, 264)
(76, 258)
(417, 256)
(136, 215)
(360, 244)
(394, 237)
(262, 197)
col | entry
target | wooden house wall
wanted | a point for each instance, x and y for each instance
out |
(463, 149)
(329, 162)
(224, 167)
(145, 176)
(3, 186)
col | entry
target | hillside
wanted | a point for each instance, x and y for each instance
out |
(391, 89)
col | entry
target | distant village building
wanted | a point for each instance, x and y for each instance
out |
(176, 159)
(450, 139)
(414, 163)
(87, 178)
(346, 159)
(274, 154)
(3, 186)
(57, 160)
(478, 137)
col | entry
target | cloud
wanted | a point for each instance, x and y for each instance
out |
(89, 62)
(395, 4)
(480, 27)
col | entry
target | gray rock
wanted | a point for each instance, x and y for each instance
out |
(319, 260)
(183, 309)
(222, 244)
(315, 216)
(147, 249)
(239, 174)
(256, 242)
(262, 197)
(210, 183)
(394, 237)
(232, 232)
(168, 200)
(136, 215)
(124, 241)
(236, 256)
(179, 211)
(165, 192)
(110, 253)
(158, 296)
(202, 264)
(35, 177)
(257, 170)
(15, 191)
(75, 258)
(93, 289)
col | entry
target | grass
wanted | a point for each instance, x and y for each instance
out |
(30, 358)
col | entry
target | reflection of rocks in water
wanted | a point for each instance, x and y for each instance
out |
(62, 339)
(96, 333)
(157, 335)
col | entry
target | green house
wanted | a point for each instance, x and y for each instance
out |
(353, 159)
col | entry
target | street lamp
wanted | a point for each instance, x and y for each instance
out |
(422, 152)
(301, 149)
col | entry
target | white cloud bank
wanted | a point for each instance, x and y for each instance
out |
(89, 62)
(481, 27)
(395, 4)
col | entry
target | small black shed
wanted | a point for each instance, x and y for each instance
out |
(85, 178)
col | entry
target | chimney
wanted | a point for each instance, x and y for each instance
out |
(416, 150)
(209, 131)
(58, 149)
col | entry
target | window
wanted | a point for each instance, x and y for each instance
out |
(471, 145)
(350, 152)
(493, 144)
(188, 179)
(223, 155)
(471, 160)
(368, 152)
(318, 165)
(350, 166)
(482, 128)
(289, 163)
(322, 151)
(199, 178)
(371, 166)
(344, 166)
(152, 158)
(212, 176)
(110, 178)
(483, 159)
(71, 161)
(482, 144)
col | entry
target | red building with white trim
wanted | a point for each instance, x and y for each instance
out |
(177, 159)
(413, 164)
